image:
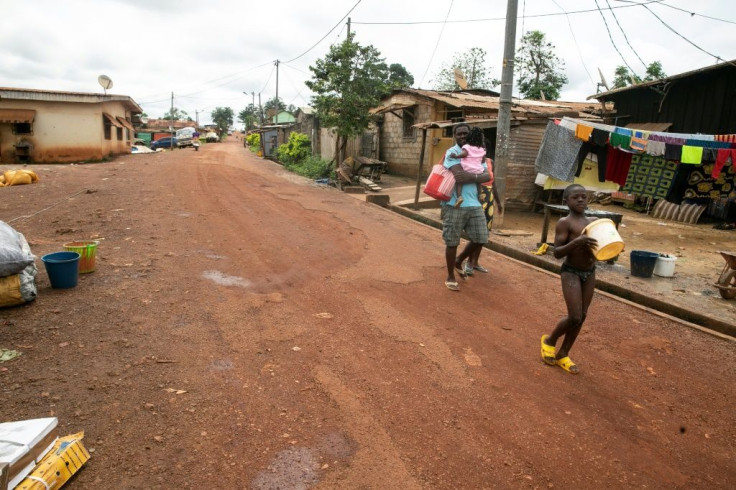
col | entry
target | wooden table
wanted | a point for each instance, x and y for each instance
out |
(561, 209)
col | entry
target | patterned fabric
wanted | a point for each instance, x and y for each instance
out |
(701, 184)
(731, 138)
(650, 176)
(486, 200)
(558, 152)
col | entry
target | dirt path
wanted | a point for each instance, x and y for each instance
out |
(246, 328)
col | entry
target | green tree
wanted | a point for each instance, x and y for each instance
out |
(538, 68)
(399, 76)
(177, 115)
(472, 64)
(348, 82)
(249, 116)
(272, 105)
(623, 77)
(223, 118)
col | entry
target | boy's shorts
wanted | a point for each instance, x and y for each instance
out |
(455, 220)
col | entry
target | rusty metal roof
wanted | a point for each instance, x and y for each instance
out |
(474, 102)
(17, 115)
(112, 120)
(125, 123)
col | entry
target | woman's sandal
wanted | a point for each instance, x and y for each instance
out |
(548, 352)
(567, 364)
(460, 269)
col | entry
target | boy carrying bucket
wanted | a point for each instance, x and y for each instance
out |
(577, 275)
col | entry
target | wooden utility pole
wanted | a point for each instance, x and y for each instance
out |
(171, 134)
(276, 116)
(503, 127)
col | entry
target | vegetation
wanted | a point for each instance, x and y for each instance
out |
(296, 150)
(348, 82)
(399, 76)
(249, 117)
(538, 68)
(223, 118)
(472, 64)
(254, 142)
(623, 77)
(177, 115)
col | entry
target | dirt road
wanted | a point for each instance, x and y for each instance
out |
(247, 328)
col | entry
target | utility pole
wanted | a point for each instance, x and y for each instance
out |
(276, 116)
(196, 118)
(503, 126)
(260, 108)
(348, 28)
(171, 137)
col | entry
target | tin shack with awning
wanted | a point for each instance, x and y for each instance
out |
(407, 113)
(53, 126)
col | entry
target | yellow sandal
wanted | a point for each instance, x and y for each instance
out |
(548, 352)
(567, 364)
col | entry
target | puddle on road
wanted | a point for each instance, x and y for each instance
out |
(225, 280)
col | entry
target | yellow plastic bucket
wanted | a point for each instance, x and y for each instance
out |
(609, 241)
(87, 250)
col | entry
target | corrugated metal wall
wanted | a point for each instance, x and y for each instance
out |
(354, 147)
(524, 145)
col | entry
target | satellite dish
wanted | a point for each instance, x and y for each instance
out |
(603, 80)
(105, 82)
(460, 78)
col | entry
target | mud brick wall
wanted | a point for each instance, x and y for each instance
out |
(400, 152)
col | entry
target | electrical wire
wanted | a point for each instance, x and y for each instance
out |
(624, 33)
(328, 33)
(686, 39)
(580, 53)
(612, 41)
(431, 58)
(688, 12)
(553, 14)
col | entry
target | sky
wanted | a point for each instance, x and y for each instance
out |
(220, 53)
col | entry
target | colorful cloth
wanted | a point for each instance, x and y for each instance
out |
(620, 141)
(588, 178)
(638, 144)
(650, 176)
(600, 137)
(721, 159)
(558, 152)
(692, 154)
(672, 151)
(617, 165)
(701, 184)
(624, 131)
(707, 143)
(667, 139)
(486, 200)
(583, 132)
(731, 138)
(655, 148)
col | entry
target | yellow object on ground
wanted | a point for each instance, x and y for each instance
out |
(18, 177)
(542, 249)
(10, 291)
(57, 467)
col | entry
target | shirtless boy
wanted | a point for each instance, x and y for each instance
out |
(578, 277)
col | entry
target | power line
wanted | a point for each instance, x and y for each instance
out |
(580, 53)
(552, 14)
(689, 12)
(328, 33)
(624, 33)
(612, 41)
(437, 44)
(686, 39)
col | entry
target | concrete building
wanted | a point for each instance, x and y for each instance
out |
(53, 126)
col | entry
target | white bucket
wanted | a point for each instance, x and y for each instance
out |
(665, 266)
(609, 241)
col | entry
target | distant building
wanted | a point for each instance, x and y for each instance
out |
(54, 126)
(283, 117)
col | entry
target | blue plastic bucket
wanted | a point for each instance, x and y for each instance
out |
(62, 268)
(643, 262)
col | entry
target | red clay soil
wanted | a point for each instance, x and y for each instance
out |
(246, 328)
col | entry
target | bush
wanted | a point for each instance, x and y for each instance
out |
(296, 150)
(254, 142)
(312, 167)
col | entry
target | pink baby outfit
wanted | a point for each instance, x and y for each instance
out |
(473, 163)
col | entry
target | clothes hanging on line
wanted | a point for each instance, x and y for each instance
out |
(558, 153)
(650, 176)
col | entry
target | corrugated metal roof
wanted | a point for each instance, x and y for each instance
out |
(125, 123)
(59, 96)
(604, 95)
(17, 115)
(478, 102)
(112, 120)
